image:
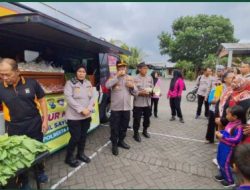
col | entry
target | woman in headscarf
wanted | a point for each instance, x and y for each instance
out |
(80, 102)
(220, 110)
(156, 93)
(241, 95)
(174, 94)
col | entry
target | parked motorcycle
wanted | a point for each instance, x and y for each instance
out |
(191, 96)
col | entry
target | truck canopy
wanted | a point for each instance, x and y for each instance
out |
(30, 30)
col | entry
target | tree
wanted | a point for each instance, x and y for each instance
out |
(187, 68)
(210, 61)
(136, 56)
(193, 38)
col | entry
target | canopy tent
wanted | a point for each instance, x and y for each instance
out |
(231, 49)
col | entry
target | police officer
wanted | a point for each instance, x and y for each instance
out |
(79, 95)
(21, 99)
(122, 88)
(142, 102)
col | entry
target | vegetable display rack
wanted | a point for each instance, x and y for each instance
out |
(50, 81)
(39, 158)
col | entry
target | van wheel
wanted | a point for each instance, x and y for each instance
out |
(105, 113)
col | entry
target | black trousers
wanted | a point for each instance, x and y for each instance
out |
(33, 129)
(78, 130)
(175, 105)
(154, 103)
(211, 127)
(119, 121)
(138, 112)
(201, 99)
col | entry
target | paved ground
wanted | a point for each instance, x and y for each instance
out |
(174, 157)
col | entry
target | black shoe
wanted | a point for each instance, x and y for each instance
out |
(72, 162)
(146, 134)
(218, 178)
(227, 184)
(124, 145)
(129, 127)
(137, 137)
(172, 118)
(181, 120)
(156, 116)
(115, 150)
(83, 158)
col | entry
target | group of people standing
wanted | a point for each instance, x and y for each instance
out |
(123, 87)
(226, 96)
(146, 92)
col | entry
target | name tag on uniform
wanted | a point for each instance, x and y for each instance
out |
(27, 90)
(77, 90)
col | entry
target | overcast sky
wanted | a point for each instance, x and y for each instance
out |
(139, 24)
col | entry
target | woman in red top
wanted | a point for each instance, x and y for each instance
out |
(177, 85)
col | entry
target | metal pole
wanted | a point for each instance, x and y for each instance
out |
(230, 58)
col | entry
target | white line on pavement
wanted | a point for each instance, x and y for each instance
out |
(79, 167)
(171, 136)
(176, 137)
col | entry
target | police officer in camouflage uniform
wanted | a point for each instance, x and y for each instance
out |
(142, 102)
(122, 88)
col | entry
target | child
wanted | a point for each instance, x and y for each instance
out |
(156, 93)
(229, 138)
(241, 165)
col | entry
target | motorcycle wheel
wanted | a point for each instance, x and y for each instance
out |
(191, 97)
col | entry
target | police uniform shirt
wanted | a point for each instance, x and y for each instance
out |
(143, 83)
(20, 103)
(79, 96)
(120, 93)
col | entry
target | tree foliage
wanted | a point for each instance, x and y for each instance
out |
(137, 55)
(193, 38)
(210, 61)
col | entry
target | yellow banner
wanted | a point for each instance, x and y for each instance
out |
(4, 11)
(58, 135)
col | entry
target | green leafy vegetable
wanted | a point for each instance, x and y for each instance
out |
(17, 152)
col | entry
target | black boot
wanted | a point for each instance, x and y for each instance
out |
(124, 145)
(145, 133)
(71, 161)
(172, 118)
(137, 137)
(181, 120)
(155, 114)
(80, 152)
(115, 150)
(83, 158)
